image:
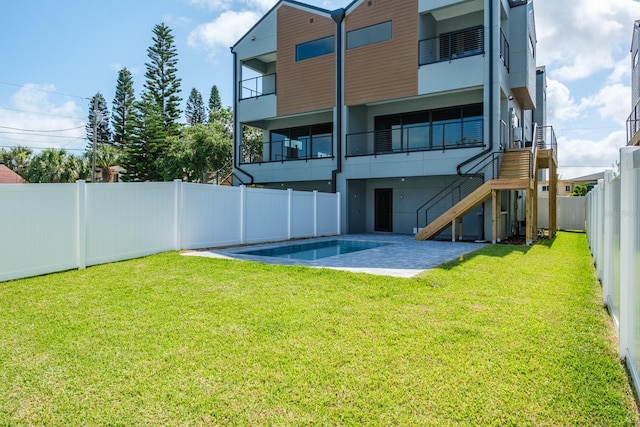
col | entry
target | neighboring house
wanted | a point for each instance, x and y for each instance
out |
(389, 102)
(633, 121)
(7, 176)
(566, 186)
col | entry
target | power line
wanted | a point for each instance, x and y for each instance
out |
(36, 134)
(44, 148)
(29, 86)
(41, 113)
(43, 130)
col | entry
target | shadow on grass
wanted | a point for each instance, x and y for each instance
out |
(498, 251)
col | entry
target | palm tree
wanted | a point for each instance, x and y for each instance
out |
(55, 165)
(107, 156)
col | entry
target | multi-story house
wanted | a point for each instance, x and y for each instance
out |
(405, 107)
(633, 121)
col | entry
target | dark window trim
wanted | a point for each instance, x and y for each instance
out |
(333, 48)
(390, 21)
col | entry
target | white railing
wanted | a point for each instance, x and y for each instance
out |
(56, 227)
(613, 231)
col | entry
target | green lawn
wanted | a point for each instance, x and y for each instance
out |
(506, 336)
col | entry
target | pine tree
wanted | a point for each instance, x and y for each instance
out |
(123, 109)
(149, 143)
(162, 84)
(194, 112)
(215, 104)
(98, 105)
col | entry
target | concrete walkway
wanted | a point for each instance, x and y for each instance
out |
(402, 257)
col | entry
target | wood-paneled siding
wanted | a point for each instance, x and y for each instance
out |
(385, 70)
(307, 85)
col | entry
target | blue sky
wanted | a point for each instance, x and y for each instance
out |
(55, 54)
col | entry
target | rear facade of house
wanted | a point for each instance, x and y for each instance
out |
(391, 103)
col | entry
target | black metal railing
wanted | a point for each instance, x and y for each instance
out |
(313, 147)
(450, 46)
(460, 133)
(258, 86)
(546, 139)
(483, 170)
(504, 50)
(633, 123)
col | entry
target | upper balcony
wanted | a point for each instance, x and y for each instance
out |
(633, 126)
(257, 88)
(451, 46)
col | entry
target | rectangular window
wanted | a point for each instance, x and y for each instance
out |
(567, 188)
(369, 35)
(305, 142)
(545, 188)
(314, 48)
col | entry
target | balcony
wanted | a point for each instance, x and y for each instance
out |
(633, 126)
(441, 136)
(285, 149)
(450, 46)
(257, 86)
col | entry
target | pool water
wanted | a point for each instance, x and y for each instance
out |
(317, 250)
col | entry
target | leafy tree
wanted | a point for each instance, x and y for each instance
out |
(17, 159)
(99, 112)
(162, 84)
(56, 165)
(123, 109)
(200, 149)
(252, 144)
(195, 108)
(106, 157)
(579, 190)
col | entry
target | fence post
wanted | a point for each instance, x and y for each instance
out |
(81, 224)
(289, 209)
(338, 213)
(315, 213)
(242, 213)
(606, 236)
(177, 214)
(629, 228)
(601, 212)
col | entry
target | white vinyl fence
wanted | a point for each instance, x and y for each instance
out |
(613, 230)
(571, 212)
(55, 227)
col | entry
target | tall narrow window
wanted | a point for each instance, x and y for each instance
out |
(369, 35)
(314, 48)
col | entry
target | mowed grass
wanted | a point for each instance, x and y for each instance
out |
(506, 336)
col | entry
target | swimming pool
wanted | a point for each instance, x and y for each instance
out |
(316, 250)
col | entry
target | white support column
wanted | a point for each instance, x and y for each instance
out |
(629, 246)
(81, 222)
(601, 213)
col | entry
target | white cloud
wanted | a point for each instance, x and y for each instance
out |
(612, 102)
(32, 108)
(582, 38)
(262, 5)
(578, 157)
(212, 4)
(561, 107)
(224, 31)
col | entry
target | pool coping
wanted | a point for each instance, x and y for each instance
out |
(403, 256)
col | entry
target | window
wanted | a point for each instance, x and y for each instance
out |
(532, 46)
(567, 188)
(635, 59)
(314, 48)
(545, 188)
(305, 142)
(369, 35)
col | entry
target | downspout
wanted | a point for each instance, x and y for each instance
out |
(338, 17)
(490, 146)
(235, 119)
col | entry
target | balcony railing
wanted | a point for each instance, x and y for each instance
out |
(546, 139)
(308, 148)
(633, 125)
(450, 46)
(504, 50)
(463, 133)
(258, 86)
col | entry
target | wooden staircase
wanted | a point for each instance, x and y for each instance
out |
(515, 174)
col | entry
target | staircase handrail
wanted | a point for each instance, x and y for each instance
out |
(474, 171)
